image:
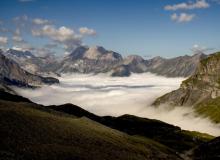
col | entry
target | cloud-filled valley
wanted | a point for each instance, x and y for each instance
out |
(104, 95)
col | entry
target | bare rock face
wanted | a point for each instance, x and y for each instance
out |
(182, 66)
(43, 65)
(130, 64)
(203, 85)
(12, 74)
(135, 63)
(90, 60)
(98, 60)
(121, 71)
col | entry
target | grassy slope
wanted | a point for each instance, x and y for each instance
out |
(210, 109)
(161, 132)
(169, 135)
(28, 132)
(214, 56)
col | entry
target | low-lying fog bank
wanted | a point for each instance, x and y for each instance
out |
(104, 95)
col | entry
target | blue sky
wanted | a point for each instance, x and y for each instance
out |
(166, 28)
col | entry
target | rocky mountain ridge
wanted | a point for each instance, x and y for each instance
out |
(89, 59)
(12, 74)
(99, 60)
(182, 66)
(34, 64)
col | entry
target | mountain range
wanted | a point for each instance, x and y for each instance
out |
(99, 60)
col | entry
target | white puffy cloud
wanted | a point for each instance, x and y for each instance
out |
(42, 52)
(17, 36)
(182, 17)
(174, 17)
(17, 39)
(21, 18)
(21, 22)
(87, 31)
(198, 49)
(63, 35)
(39, 21)
(4, 30)
(198, 4)
(3, 40)
(17, 31)
(60, 34)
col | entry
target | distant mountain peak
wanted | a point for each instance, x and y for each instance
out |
(18, 49)
(78, 53)
(19, 53)
(158, 58)
(12, 74)
(98, 48)
(133, 58)
(93, 53)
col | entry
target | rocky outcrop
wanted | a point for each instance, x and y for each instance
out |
(130, 64)
(135, 63)
(200, 87)
(12, 74)
(44, 65)
(121, 71)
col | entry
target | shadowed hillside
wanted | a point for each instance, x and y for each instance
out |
(29, 131)
(209, 150)
(159, 131)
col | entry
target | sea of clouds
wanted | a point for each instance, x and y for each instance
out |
(115, 96)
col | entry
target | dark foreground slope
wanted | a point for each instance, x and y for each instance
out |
(31, 131)
(166, 134)
(209, 150)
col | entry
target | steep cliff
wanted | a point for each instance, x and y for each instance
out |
(201, 90)
(12, 74)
